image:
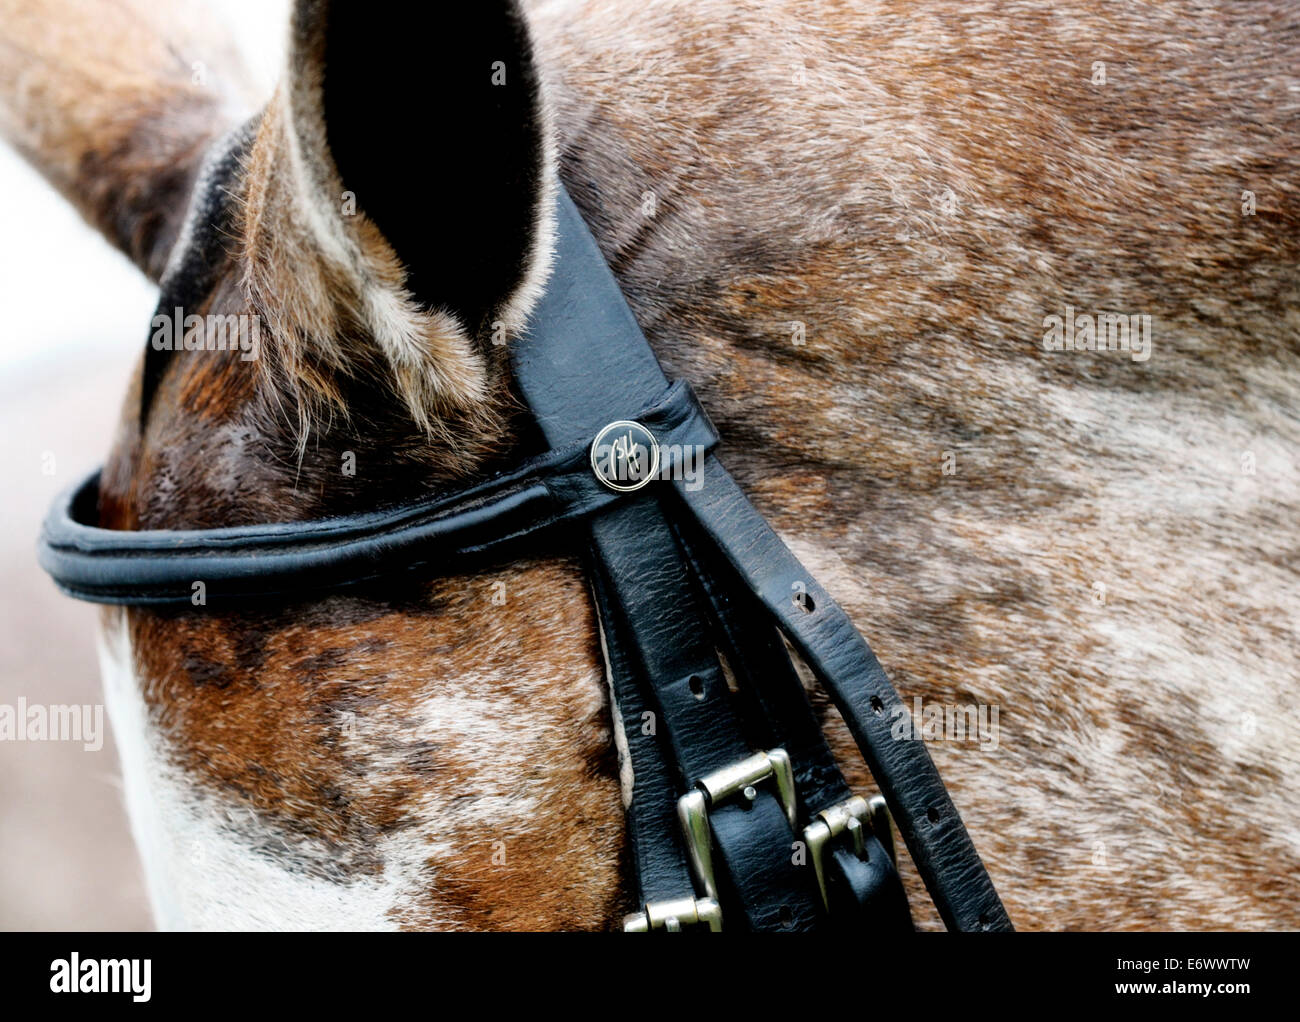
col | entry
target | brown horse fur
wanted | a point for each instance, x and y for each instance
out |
(848, 226)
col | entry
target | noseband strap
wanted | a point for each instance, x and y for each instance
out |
(738, 813)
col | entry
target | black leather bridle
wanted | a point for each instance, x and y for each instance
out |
(738, 812)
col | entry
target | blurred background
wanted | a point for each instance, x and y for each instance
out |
(76, 316)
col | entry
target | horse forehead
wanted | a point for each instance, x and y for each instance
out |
(394, 764)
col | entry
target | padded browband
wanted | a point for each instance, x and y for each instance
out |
(159, 567)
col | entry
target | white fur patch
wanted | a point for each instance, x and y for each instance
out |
(626, 773)
(215, 866)
(208, 867)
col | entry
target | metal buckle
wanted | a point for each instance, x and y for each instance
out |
(851, 817)
(712, 789)
(672, 915)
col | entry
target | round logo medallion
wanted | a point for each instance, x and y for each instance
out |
(625, 456)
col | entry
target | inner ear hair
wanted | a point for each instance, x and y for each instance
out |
(397, 216)
(435, 122)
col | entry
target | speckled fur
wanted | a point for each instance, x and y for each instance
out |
(1072, 537)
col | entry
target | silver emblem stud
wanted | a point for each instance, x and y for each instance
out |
(625, 456)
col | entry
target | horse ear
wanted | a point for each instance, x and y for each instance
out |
(115, 104)
(434, 119)
(400, 194)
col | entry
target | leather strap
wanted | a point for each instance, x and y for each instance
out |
(660, 866)
(826, 639)
(159, 567)
(651, 595)
(779, 714)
